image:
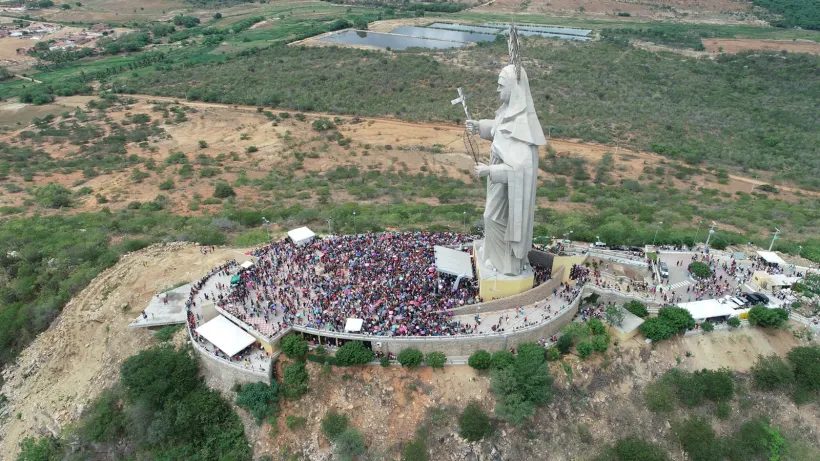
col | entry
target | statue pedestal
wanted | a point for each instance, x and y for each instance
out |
(495, 285)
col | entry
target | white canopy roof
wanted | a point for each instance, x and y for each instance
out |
(781, 280)
(354, 325)
(246, 265)
(453, 262)
(223, 334)
(771, 257)
(708, 308)
(301, 235)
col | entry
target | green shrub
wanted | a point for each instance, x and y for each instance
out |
(659, 396)
(480, 360)
(523, 385)
(384, 361)
(435, 359)
(259, 399)
(322, 124)
(104, 419)
(53, 196)
(224, 190)
(700, 270)
(349, 445)
(410, 357)
(353, 353)
(805, 361)
(600, 343)
(553, 354)
(501, 359)
(755, 439)
(166, 185)
(564, 344)
(585, 349)
(295, 380)
(474, 424)
(698, 440)
(670, 321)
(294, 346)
(723, 410)
(708, 326)
(295, 422)
(167, 332)
(733, 322)
(633, 449)
(251, 149)
(768, 318)
(334, 424)
(637, 308)
(771, 373)
(596, 326)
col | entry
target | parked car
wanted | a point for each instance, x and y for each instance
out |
(763, 298)
(752, 298)
(664, 269)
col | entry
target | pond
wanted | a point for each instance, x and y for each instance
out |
(394, 42)
(441, 34)
(481, 30)
(545, 29)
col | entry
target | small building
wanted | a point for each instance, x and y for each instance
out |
(767, 281)
(716, 310)
(629, 328)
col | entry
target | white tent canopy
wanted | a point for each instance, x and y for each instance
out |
(301, 235)
(771, 257)
(223, 334)
(454, 262)
(246, 265)
(708, 308)
(353, 325)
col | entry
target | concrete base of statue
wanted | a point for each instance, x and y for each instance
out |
(495, 285)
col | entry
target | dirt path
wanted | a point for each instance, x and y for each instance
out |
(69, 364)
(726, 45)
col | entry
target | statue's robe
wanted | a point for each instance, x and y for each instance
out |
(513, 178)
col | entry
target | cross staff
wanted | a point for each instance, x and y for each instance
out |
(469, 141)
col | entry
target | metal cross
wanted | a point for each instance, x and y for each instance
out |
(462, 98)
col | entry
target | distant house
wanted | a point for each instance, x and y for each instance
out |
(42, 28)
(16, 33)
(63, 45)
(100, 28)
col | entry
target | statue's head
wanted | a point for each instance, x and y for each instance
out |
(505, 86)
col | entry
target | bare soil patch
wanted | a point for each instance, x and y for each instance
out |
(725, 45)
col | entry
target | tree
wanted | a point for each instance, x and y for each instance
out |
(700, 270)
(805, 361)
(698, 439)
(261, 400)
(596, 326)
(474, 424)
(202, 144)
(410, 357)
(333, 424)
(733, 322)
(294, 346)
(349, 444)
(614, 315)
(771, 373)
(501, 359)
(768, 318)
(718, 385)
(585, 349)
(480, 360)
(522, 385)
(360, 23)
(159, 374)
(53, 196)
(217, 15)
(435, 359)
(295, 380)
(600, 343)
(656, 329)
(708, 326)
(564, 344)
(224, 190)
(353, 353)
(670, 321)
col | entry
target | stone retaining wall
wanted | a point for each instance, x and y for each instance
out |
(526, 298)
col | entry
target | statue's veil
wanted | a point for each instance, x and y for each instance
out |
(519, 118)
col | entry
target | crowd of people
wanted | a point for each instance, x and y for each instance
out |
(389, 280)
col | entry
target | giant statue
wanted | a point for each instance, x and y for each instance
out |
(512, 173)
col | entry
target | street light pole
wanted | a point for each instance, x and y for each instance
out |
(267, 228)
(695, 241)
(329, 226)
(464, 213)
(656, 232)
(711, 233)
(354, 224)
(776, 231)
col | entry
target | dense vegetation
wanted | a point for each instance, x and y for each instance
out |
(522, 384)
(793, 13)
(161, 410)
(591, 88)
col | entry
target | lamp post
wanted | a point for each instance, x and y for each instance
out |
(267, 227)
(656, 232)
(464, 214)
(354, 223)
(711, 233)
(329, 226)
(695, 241)
(776, 231)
